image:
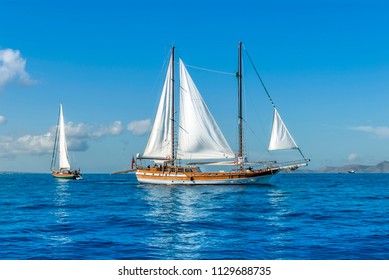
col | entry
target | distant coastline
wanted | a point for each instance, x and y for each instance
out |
(382, 167)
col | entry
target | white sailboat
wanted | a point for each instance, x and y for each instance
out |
(60, 153)
(200, 139)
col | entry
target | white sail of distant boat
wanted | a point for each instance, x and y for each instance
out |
(61, 150)
(63, 155)
(200, 138)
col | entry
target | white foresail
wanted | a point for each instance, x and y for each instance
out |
(159, 144)
(280, 138)
(199, 136)
(62, 147)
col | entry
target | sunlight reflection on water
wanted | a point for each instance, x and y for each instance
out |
(176, 211)
(61, 215)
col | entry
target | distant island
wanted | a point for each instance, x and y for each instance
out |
(382, 167)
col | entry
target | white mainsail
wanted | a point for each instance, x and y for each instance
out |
(199, 135)
(280, 138)
(62, 147)
(159, 144)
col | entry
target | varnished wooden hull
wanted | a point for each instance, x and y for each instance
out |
(155, 176)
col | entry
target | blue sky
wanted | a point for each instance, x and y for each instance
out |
(325, 64)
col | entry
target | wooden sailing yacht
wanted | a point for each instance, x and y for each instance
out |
(60, 153)
(199, 139)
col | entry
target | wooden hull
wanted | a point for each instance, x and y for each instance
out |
(66, 176)
(156, 176)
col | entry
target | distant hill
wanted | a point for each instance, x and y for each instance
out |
(382, 167)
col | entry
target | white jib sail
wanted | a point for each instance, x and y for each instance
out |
(62, 146)
(199, 136)
(280, 138)
(159, 144)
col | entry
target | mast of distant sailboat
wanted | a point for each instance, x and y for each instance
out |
(240, 114)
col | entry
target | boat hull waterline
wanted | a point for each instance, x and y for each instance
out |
(66, 176)
(153, 176)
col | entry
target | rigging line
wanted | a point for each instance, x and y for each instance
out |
(253, 132)
(211, 70)
(251, 101)
(160, 78)
(256, 71)
(301, 153)
(54, 156)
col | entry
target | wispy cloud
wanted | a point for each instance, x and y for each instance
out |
(2, 119)
(114, 129)
(12, 68)
(82, 130)
(352, 157)
(77, 135)
(379, 131)
(139, 127)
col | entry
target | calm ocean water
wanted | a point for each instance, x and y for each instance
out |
(300, 216)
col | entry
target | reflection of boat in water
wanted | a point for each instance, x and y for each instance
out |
(60, 150)
(201, 142)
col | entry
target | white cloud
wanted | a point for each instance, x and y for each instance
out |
(379, 131)
(26, 144)
(82, 130)
(77, 139)
(12, 67)
(113, 129)
(2, 119)
(76, 130)
(139, 127)
(78, 145)
(352, 157)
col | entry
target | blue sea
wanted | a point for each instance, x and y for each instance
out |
(298, 217)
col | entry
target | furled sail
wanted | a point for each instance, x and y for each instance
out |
(199, 135)
(62, 147)
(280, 138)
(159, 144)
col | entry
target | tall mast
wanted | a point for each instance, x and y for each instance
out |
(172, 158)
(55, 149)
(240, 117)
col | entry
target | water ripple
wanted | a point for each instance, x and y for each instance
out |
(300, 216)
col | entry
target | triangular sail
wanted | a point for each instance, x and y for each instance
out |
(280, 138)
(199, 135)
(159, 144)
(62, 146)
